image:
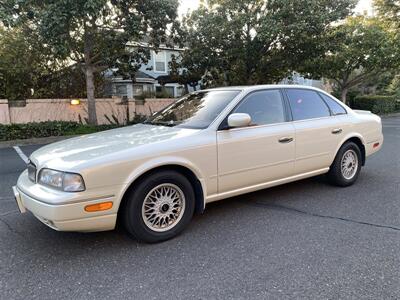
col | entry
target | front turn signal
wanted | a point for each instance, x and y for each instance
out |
(98, 206)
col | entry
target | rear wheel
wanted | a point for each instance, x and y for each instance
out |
(346, 167)
(159, 207)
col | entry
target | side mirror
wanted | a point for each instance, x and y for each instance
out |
(239, 120)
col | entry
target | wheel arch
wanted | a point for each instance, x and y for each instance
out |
(186, 169)
(359, 141)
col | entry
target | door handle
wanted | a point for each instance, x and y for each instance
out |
(285, 140)
(337, 131)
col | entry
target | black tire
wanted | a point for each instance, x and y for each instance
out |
(132, 216)
(336, 175)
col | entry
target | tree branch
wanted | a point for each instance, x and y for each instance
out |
(358, 79)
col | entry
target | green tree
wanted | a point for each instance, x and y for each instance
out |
(389, 13)
(185, 76)
(27, 69)
(394, 87)
(256, 41)
(389, 10)
(23, 61)
(358, 50)
(94, 33)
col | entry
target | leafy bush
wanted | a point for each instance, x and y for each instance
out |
(163, 94)
(46, 129)
(376, 103)
(397, 107)
(149, 94)
(145, 95)
(138, 118)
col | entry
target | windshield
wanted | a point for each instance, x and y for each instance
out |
(196, 110)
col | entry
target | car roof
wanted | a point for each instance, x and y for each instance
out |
(249, 88)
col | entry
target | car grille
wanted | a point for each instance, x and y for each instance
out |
(32, 172)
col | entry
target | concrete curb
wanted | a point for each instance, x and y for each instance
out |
(34, 141)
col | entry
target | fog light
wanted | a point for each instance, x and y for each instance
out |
(98, 206)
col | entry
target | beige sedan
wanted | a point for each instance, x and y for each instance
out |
(207, 146)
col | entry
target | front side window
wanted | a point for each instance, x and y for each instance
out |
(335, 107)
(264, 107)
(196, 110)
(306, 104)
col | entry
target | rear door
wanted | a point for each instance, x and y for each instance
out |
(261, 152)
(318, 132)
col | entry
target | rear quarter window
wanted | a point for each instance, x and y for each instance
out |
(334, 106)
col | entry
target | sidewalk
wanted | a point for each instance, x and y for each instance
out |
(34, 141)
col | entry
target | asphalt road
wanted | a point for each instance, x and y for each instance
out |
(304, 240)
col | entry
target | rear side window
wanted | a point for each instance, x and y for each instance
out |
(306, 104)
(264, 107)
(335, 107)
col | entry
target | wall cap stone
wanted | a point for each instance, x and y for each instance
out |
(161, 99)
(50, 100)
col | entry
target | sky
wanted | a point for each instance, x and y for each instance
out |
(186, 5)
(363, 5)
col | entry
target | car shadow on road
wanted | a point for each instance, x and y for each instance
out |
(34, 234)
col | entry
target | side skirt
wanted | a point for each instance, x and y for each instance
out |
(261, 186)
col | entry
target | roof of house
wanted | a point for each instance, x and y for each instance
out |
(143, 75)
(140, 77)
(145, 44)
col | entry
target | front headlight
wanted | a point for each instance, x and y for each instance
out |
(67, 182)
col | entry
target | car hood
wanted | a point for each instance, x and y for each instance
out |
(71, 152)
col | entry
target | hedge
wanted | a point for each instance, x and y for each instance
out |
(376, 103)
(46, 129)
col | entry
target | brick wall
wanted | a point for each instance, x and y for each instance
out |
(4, 112)
(39, 110)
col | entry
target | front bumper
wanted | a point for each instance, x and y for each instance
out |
(64, 216)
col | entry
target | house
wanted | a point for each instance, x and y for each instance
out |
(296, 78)
(146, 77)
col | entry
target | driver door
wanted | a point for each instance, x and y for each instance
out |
(261, 152)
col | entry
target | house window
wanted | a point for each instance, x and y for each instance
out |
(121, 90)
(179, 91)
(137, 89)
(160, 61)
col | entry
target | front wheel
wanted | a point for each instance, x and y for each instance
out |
(159, 207)
(346, 167)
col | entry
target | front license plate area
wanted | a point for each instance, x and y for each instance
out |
(18, 199)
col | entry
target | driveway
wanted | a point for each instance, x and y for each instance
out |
(302, 240)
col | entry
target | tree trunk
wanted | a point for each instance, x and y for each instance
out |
(89, 72)
(343, 95)
(90, 96)
(226, 79)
